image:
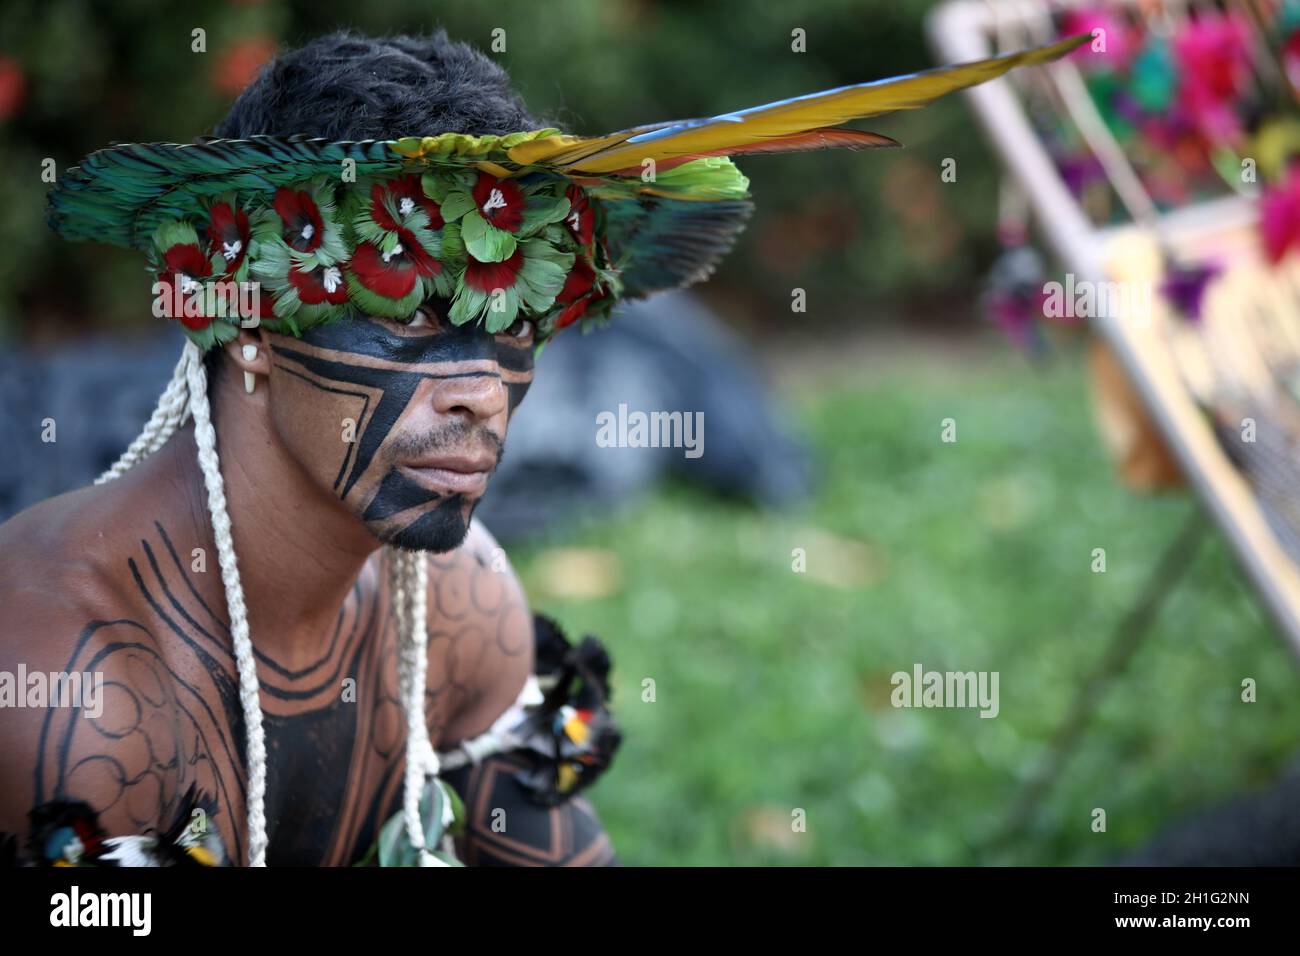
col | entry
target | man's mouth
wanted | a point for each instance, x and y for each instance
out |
(452, 474)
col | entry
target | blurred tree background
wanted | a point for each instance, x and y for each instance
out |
(873, 235)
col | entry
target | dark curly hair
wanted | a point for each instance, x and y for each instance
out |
(347, 86)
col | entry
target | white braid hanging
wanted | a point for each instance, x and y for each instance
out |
(170, 414)
(410, 580)
(186, 396)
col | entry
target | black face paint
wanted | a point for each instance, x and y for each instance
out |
(375, 370)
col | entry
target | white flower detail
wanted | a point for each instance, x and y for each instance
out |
(308, 231)
(188, 284)
(397, 251)
(406, 206)
(496, 200)
(230, 250)
(574, 221)
(331, 279)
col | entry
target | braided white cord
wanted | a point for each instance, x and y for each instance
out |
(400, 602)
(397, 602)
(168, 415)
(399, 575)
(206, 438)
(411, 584)
(419, 672)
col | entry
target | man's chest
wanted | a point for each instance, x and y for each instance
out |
(334, 774)
(335, 734)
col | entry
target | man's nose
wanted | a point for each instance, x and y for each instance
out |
(479, 395)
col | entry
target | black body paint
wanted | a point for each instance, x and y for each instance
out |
(368, 360)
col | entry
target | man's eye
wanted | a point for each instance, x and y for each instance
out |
(522, 329)
(421, 318)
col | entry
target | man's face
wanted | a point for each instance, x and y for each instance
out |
(403, 422)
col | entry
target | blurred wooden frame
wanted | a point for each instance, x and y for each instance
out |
(1159, 360)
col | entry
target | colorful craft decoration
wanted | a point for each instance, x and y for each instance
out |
(1201, 105)
(67, 833)
(1205, 105)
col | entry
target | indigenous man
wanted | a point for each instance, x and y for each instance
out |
(306, 650)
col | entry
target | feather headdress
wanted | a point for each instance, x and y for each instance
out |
(538, 224)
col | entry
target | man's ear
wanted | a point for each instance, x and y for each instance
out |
(251, 354)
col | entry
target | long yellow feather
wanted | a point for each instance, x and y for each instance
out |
(720, 135)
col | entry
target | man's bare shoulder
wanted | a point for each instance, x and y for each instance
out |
(480, 632)
(65, 577)
(69, 538)
(61, 570)
(99, 707)
(83, 539)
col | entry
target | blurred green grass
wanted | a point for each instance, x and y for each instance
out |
(772, 687)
